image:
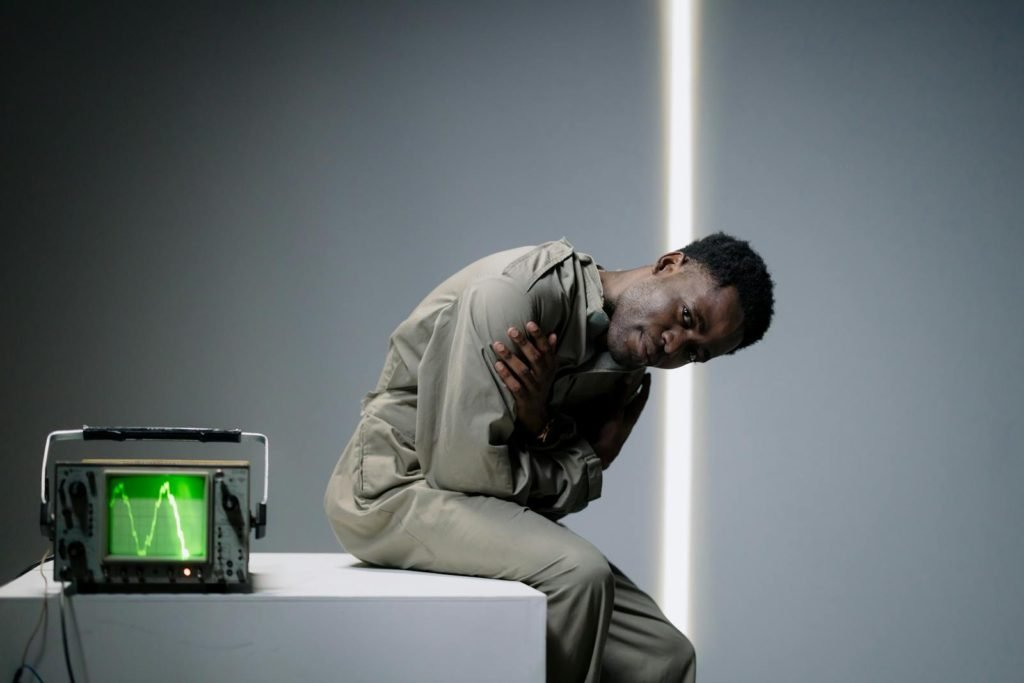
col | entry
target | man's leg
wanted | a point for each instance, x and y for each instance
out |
(453, 533)
(642, 645)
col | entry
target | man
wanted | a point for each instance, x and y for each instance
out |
(504, 396)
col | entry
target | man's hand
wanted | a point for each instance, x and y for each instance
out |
(529, 373)
(608, 437)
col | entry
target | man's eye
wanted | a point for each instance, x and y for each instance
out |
(687, 317)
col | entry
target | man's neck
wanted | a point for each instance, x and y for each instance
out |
(614, 282)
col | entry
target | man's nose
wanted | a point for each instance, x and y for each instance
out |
(672, 340)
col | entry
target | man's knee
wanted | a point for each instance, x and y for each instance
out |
(581, 569)
(679, 657)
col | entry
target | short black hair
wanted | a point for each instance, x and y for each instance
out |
(731, 261)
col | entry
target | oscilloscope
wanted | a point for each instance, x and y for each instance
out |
(144, 525)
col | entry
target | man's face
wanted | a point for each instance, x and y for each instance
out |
(674, 316)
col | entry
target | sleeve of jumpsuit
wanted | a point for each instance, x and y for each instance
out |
(466, 416)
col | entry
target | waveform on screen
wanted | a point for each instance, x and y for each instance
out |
(142, 548)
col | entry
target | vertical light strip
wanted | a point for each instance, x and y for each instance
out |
(678, 409)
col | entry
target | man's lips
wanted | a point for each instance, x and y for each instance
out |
(646, 350)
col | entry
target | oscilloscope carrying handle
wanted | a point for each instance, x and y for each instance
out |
(201, 434)
(162, 434)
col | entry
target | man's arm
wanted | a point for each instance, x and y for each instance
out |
(466, 414)
(529, 372)
(609, 432)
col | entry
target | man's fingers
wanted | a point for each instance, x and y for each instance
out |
(534, 360)
(508, 378)
(544, 343)
(526, 345)
(514, 363)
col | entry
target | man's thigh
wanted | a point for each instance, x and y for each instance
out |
(488, 537)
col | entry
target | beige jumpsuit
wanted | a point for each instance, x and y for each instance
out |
(435, 478)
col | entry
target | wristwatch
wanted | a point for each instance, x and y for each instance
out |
(546, 434)
(555, 429)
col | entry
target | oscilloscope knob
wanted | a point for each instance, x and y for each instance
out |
(80, 504)
(230, 500)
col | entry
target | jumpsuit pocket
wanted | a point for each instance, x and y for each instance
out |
(387, 458)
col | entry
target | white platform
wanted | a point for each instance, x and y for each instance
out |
(312, 617)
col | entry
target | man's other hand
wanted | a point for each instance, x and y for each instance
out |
(608, 437)
(529, 373)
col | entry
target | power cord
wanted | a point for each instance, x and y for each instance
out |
(26, 667)
(41, 621)
(64, 636)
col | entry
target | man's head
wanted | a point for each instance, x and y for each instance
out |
(710, 298)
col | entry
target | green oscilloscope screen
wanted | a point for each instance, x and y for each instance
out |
(157, 516)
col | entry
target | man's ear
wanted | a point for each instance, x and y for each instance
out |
(670, 262)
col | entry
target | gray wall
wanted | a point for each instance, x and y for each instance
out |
(216, 216)
(861, 496)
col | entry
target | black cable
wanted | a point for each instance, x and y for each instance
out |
(17, 674)
(64, 638)
(43, 621)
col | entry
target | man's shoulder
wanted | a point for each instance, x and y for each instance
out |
(531, 267)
